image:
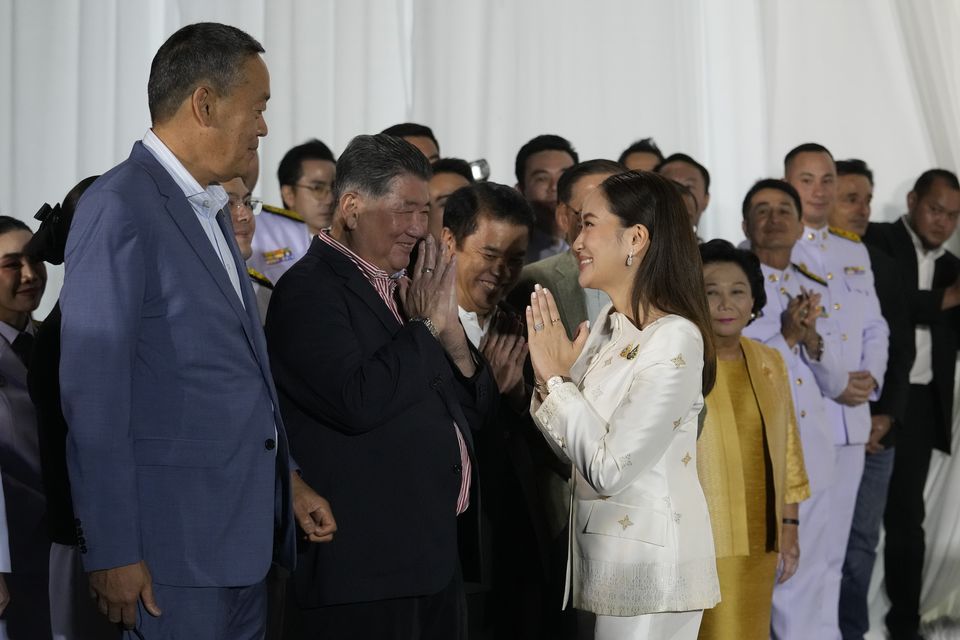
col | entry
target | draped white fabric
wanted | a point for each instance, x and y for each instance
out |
(734, 83)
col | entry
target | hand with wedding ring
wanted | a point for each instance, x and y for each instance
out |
(551, 351)
(430, 292)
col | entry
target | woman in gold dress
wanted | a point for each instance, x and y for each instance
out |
(748, 457)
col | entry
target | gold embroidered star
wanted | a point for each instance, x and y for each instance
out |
(686, 459)
(679, 361)
(625, 522)
(676, 424)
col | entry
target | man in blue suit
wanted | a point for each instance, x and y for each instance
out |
(182, 483)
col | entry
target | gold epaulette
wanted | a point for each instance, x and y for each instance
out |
(843, 233)
(259, 278)
(286, 213)
(802, 268)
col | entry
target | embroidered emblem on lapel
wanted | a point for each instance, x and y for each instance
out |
(608, 361)
(679, 361)
(625, 522)
(625, 461)
(630, 351)
(854, 270)
(686, 459)
(676, 517)
(676, 424)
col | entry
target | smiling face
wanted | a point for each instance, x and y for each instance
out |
(236, 122)
(489, 262)
(384, 230)
(814, 176)
(22, 279)
(772, 222)
(729, 297)
(603, 246)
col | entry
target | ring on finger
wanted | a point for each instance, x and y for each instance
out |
(555, 321)
(427, 270)
(538, 326)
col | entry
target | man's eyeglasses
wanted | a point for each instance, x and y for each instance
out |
(320, 189)
(253, 204)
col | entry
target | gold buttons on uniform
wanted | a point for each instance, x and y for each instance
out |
(809, 236)
(799, 381)
(829, 276)
(772, 277)
(836, 306)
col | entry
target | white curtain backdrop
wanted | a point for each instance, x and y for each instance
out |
(736, 84)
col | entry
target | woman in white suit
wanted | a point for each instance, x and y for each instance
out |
(622, 405)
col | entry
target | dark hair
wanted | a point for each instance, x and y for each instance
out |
(453, 165)
(684, 158)
(686, 191)
(370, 163)
(854, 167)
(670, 277)
(411, 130)
(9, 223)
(202, 52)
(647, 145)
(583, 169)
(496, 201)
(546, 142)
(929, 177)
(772, 183)
(806, 147)
(50, 240)
(291, 166)
(723, 251)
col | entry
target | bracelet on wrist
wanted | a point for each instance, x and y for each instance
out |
(428, 323)
(792, 521)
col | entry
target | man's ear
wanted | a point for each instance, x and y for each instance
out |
(351, 207)
(287, 197)
(203, 105)
(911, 201)
(562, 216)
(446, 237)
(706, 202)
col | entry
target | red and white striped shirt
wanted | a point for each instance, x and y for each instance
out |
(386, 286)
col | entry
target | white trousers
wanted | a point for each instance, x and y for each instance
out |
(679, 625)
(808, 604)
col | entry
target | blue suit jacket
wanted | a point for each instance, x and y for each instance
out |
(172, 449)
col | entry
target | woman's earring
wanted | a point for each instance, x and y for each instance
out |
(630, 259)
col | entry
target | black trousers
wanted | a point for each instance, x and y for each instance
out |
(903, 519)
(439, 616)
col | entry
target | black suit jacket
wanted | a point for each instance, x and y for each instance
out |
(370, 406)
(902, 347)
(894, 239)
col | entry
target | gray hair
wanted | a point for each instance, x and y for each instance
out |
(203, 52)
(369, 165)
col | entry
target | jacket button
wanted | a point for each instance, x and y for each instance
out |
(81, 541)
(457, 468)
(83, 548)
(269, 444)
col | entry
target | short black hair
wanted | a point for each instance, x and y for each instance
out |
(411, 130)
(291, 166)
(545, 142)
(929, 177)
(497, 201)
(854, 167)
(647, 145)
(806, 147)
(722, 251)
(453, 165)
(772, 183)
(370, 163)
(583, 169)
(9, 223)
(684, 158)
(202, 52)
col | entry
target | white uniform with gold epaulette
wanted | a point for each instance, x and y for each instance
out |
(851, 300)
(641, 549)
(280, 240)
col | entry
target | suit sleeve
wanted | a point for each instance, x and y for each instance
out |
(610, 455)
(101, 305)
(797, 484)
(319, 364)
(876, 335)
(896, 383)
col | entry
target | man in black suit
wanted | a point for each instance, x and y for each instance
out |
(379, 388)
(930, 277)
(851, 213)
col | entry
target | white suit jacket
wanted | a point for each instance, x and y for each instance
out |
(640, 530)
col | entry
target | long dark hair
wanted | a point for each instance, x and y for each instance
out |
(670, 278)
